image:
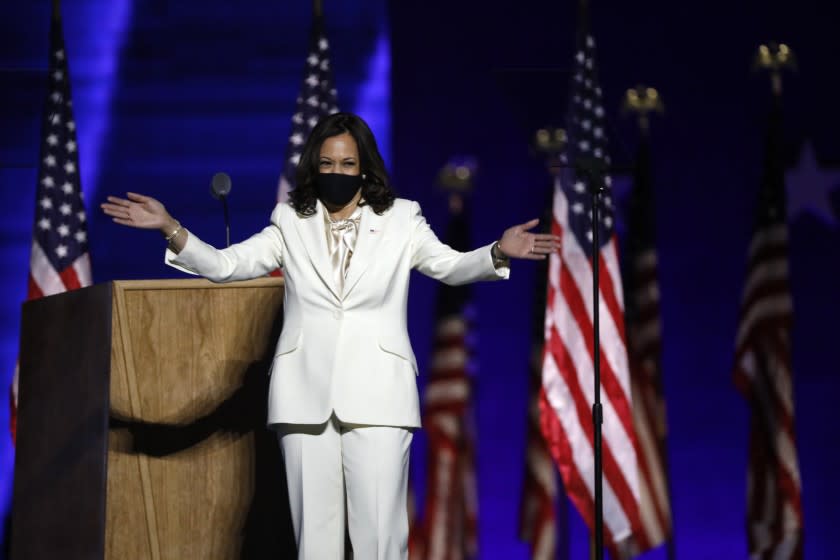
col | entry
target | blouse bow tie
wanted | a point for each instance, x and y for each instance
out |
(342, 238)
(343, 225)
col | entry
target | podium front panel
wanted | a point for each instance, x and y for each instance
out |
(188, 397)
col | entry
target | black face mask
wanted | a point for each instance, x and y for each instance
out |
(337, 189)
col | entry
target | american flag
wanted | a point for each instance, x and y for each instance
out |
(317, 99)
(537, 513)
(450, 524)
(567, 371)
(60, 260)
(763, 370)
(538, 516)
(644, 337)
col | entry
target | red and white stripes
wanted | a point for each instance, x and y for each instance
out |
(44, 280)
(537, 515)
(644, 335)
(763, 374)
(450, 526)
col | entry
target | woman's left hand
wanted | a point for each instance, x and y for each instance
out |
(517, 242)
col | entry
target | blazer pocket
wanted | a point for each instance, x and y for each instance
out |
(400, 347)
(289, 341)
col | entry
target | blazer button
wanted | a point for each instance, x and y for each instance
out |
(337, 314)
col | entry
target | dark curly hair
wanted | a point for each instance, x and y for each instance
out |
(376, 188)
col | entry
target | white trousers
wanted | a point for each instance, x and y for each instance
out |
(366, 464)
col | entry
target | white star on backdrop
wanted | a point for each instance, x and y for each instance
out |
(808, 188)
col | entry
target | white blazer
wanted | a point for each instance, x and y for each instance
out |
(349, 354)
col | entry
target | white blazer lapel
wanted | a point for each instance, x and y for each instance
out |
(313, 235)
(371, 235)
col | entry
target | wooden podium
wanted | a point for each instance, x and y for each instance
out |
(142, 424)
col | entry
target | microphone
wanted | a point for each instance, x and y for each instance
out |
(220, 189)
(220, 185)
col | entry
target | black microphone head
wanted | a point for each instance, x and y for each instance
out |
(220, 185)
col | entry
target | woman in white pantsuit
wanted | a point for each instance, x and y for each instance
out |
(343, 396)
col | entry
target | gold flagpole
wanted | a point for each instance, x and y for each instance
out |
(775, 57)
(643, 100)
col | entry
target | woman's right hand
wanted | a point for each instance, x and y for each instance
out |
(140, 211)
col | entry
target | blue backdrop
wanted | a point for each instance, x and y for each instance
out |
(166, 94)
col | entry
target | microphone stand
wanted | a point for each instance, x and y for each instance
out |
(594, 171)
(596, 187)
(223, 198)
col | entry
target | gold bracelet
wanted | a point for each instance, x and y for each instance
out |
(175, 232)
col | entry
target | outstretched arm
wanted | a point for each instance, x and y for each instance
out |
(145, 212)
(438, 260)
(252, 258)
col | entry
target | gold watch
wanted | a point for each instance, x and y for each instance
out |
(499, 258)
